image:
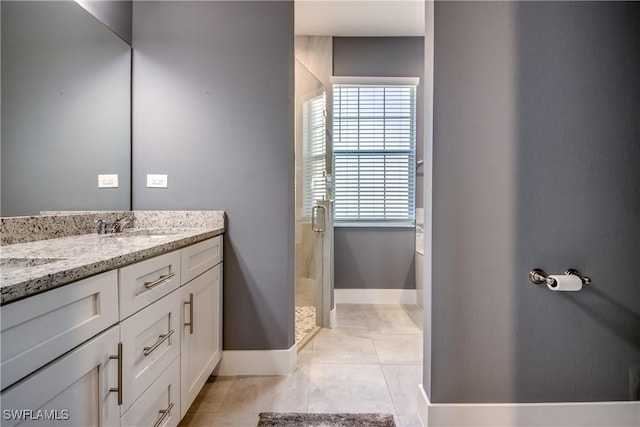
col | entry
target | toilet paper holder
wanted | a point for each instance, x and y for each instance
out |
(539, 277)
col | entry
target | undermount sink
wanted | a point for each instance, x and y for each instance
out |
(154, 233)
(9, 265)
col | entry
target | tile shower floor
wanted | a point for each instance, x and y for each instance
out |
(372, 362)
(305, 322)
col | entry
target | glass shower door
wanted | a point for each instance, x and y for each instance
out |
(311, 210)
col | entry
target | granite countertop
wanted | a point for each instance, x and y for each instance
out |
(29, 268)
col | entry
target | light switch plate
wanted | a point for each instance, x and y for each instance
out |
(156, 180)
(108, 181)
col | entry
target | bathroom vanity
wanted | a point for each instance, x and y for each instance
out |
(112, 329)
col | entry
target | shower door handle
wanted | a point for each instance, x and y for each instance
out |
(314, 214)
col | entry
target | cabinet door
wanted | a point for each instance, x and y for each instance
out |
(159, 406)
(151, 340)
(73, 390)
(201, 338)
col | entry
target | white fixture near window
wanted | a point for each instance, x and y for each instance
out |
(374, 150)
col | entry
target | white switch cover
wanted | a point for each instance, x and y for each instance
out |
(156, 180)
(108, 181)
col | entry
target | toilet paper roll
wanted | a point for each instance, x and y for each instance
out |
(567, 282)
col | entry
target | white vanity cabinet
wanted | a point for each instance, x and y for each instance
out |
(186, 322)
(75, 389)
(127, 347)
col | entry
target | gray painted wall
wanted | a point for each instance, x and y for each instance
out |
(213, 108)
(66, 82)
(536, 155)
(379, 258)
(115, 14)
(374, 258)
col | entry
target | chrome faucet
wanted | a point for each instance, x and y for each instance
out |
(116, 227)
(119, 224)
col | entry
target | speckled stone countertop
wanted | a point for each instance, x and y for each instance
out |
(32, 267)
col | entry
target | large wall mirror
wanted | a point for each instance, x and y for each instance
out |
(66, 110)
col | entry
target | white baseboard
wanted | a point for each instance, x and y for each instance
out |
(333, 318)
(259, 362)
(564, 414)
(375, 296)
(423, 406)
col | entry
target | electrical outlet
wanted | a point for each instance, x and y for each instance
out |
(108, 181)
(156, 180)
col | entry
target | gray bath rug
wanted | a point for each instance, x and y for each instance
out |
(274, 419)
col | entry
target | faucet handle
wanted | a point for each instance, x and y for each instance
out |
(102, 225)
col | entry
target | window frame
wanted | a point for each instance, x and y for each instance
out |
(384, 153)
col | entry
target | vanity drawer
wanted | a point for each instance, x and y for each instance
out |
(163, 394)
(147, 281)
(198, 258)
(38, 329)
(150, 342)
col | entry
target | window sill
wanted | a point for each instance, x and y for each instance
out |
(373, 224)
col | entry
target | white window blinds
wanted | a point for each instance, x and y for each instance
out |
(314, 151)
(374, 152)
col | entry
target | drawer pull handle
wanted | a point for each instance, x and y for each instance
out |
(190, 322)
(119, 388)
(162, 279)
(161, 339)
(164, 413)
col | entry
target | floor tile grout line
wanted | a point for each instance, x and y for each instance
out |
(395, 409)
(386, 382)
(371, 338)
(373, 343)
(226, 394)
(353, 363)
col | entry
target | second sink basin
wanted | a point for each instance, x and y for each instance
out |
(9, 265)
(154, 233)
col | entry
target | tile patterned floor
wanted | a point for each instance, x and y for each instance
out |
(305, 321)
(372, 362)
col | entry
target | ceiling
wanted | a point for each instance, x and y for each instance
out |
(363, 18)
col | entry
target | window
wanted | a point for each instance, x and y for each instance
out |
(314, 151)
(374, 150)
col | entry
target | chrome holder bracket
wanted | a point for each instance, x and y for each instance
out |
(539, 277)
